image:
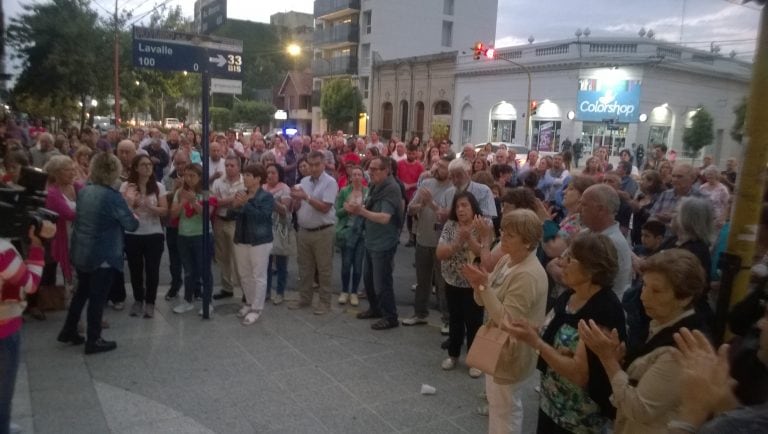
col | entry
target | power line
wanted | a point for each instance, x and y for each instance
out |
(102, 7)
(149, 11)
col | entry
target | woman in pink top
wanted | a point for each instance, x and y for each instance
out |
(61, 199)
(717, 193)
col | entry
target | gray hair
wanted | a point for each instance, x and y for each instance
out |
(105, 169)
(56, 164)
(606, 197)
(695, 219)
(710, 170)
(459, 164)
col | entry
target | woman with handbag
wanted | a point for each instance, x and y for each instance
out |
(252, 210)
(575, 389)
(461, 244)
(284, 236)
(516, 288)
(349, 235)
(646, 393)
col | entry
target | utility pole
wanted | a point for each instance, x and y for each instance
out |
(748, 201)
(117, 70)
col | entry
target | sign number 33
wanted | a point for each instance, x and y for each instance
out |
(234, 60)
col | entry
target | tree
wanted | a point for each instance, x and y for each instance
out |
(700, 134)
(740, 113)
(221, 118)
(61, 45)
(341, 103)
(253, 112)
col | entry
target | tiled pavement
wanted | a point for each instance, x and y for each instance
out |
(292, 372)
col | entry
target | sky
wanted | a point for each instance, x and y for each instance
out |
(696, 23)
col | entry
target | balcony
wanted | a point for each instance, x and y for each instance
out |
(341, 65)
(337, 36)
(330, 9)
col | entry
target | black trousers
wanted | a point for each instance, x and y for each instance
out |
(466, 317)
(92, 287)
(174, 260)
(144, 253)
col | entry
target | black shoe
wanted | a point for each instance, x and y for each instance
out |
(99, 346)
(368, 314)
(384, 324)
(73, 338)
(171, 294)
(222, 295)
(446, 343)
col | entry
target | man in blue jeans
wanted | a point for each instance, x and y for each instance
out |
(383, 213)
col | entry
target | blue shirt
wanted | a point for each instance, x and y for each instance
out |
(97, 233)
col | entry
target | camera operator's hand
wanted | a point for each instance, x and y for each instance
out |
(47, 231)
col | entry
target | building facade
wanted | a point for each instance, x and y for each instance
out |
(604, 92)
(294, 96)
(411, 95)
(351, 34)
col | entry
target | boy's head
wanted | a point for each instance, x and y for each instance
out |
(652, 234)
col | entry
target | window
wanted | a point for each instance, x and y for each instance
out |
(442, 108)
(403, 118)
(448, 7)
(466, 130)
(365, 54)
(367, 22)
(502, 130)
(364, 87)
(386, 124)
(447, 33)
(419, 118)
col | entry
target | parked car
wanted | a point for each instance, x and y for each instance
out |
(171, 123)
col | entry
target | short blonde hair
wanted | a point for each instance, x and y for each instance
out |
(525, 224)
(105, 169)
(56, 164)
(83, 150)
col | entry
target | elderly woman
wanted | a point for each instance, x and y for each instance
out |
(82, 159)
(516, 288)
(646, 392)
(253, 210)
(693, 229)
(61, 198)
(97, 250)
(717, 193)
(144, 247)
(460, 244)
(574, 386)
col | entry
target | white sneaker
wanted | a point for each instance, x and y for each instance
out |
(353, 300)
(251, 318)
(243, 311)
(475, 373)
(448, 364)
(445, 329)
(343, 298)
(414, 320)
(414, 286)
(184, 307)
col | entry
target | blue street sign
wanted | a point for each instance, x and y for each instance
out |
(177, 51)
(213, 15)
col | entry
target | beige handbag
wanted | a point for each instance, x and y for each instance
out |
(487, 348)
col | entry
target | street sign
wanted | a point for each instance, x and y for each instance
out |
(168, 50)
(229, 87)
(213, 15)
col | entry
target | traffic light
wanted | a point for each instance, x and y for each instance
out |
(534, 106)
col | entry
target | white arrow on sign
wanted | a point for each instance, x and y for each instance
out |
(219, 60)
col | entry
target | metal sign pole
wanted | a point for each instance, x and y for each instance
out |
(207, 280)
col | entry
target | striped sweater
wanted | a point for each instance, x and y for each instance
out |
(17, 278)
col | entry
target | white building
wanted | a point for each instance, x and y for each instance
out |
(350, 33)
(611, 92)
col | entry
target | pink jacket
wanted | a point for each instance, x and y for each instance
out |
(56, 202)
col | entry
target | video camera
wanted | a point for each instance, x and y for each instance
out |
(22, 205)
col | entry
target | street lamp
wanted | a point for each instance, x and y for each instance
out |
(490, 53)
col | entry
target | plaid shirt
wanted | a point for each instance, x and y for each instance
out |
(667, 201)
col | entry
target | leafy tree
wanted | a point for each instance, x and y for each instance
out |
(740, 113)
(61, 45)
(253, 112)
(340, 103)
(700, 134)
(221, 118)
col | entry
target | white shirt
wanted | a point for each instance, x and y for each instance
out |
(323, 189)
(224, 189)
(149, 223)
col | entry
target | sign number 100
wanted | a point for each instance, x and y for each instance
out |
(146, 61)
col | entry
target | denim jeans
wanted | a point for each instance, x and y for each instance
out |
(379, 267)
(10, 350)
(352, 263)
(193, 261)
(281, 264)
(172, 239)
(93, 288)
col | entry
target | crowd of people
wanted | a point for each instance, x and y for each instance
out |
(604, 278)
